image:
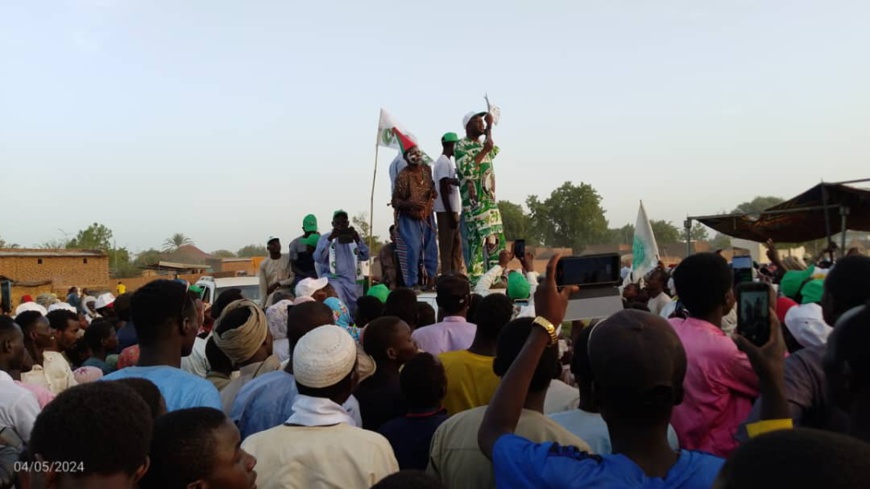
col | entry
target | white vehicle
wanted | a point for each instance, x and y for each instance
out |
(213, 287)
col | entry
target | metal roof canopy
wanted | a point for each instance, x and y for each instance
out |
(804, 217)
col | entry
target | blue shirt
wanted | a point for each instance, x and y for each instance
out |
(96, 362)
(267, 401)
(520, 463)
(180, 389)
(345, 266)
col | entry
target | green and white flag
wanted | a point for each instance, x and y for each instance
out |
(388, 127)
(645, 251)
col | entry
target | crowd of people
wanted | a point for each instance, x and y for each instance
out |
(326, 384)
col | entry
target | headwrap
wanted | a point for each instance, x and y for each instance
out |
(84, 375)
(276, 316)
(793, 280)
(241, 343)
(46, 299)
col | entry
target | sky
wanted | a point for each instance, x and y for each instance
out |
(229, 121)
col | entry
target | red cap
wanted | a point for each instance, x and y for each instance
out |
(26, 298)
(404, 141)
(783, 304)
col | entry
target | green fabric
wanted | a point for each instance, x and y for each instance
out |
(791, 282)
(518, 287)
(380, 291)
(311, 240)
(450, 137)
(483, 222)
(812, 292)
(309, 223)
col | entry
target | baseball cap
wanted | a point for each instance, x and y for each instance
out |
(271, 238)
(517, 286)
(449, 137)
(793, 280)
(308, 286)
(309, 223)
(469, 116)
(340, 212)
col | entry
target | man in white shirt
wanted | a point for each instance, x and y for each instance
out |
(448, 206)
(656, 283)
(18, 406)
(325, 449)
(274, 272)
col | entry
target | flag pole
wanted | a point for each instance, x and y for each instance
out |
(372, 214)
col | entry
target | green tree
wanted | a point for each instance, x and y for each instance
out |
(757, 205)
(223, 254)
(623, 235)
(697, 233)
(94, 237)
(361, 224)
(148, 257)
(176, 241)
(517, 224)
(664, 231)
(720, 242)
(252, 250)
(54, 244)
(571, 216)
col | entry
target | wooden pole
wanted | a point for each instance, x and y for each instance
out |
(372, 214)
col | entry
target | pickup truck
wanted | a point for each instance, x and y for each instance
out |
(214, 286)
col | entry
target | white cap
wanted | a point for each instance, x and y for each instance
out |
(323, 357)
(806, 323)
(469, 116)
(104, 300)
(302, 300)
(30, 306)
(308, 286)
(61, 305)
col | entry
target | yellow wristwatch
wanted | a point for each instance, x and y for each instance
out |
(548, 327)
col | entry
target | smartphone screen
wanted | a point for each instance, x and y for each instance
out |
(742, 266)
(588, 270)
(519, 248)
(753, 313)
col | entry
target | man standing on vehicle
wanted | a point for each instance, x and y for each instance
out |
(299, 247)
(339, 254)
(274, 271)
(448, 206)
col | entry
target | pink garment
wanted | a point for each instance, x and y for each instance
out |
(454, 333)
(720, 387)
(43, 395)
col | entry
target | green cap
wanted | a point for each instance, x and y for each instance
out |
(812, 292)
(309, 223)
(517, 286)
(449, 137)
(791, 282)
(339, 212)
(380, 291)
(311, 240)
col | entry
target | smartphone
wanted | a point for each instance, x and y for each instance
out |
(742, 267)
(588, 270)
(345, 236)
(753, 312)
(519, 248)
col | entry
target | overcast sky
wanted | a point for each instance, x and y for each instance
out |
(229, 121)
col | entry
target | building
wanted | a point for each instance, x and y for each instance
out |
(33, 270)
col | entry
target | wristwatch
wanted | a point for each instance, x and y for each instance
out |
(548, 327)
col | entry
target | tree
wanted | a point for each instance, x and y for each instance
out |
(176, 241)
(252, 250)
(54, 244)
(571, 216)
(361, 224)
(664, 231)
(757, 205)
(720, 242)
(94, 237)
(517, 224)
(223, 254)
(4, 244)
(148, 257)
(697, 233)
(623, 235)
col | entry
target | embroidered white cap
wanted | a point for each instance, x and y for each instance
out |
(30, 306)
(323, 357)
(469, 116)
(61, 305)
(308, 286)
(104, 300)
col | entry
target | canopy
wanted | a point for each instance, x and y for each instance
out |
(801, 218)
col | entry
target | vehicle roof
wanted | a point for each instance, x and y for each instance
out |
(235, 281)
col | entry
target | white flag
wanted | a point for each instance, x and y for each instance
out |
(644, 249)
(387, 127)
(493, 110)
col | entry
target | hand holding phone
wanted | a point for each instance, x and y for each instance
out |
(753, 312)
(588, 270)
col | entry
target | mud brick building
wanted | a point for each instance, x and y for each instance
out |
(30, 269)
